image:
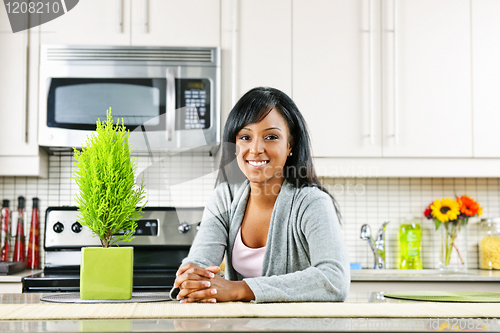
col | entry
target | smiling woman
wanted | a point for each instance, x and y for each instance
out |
(278, 228)
(263, 150)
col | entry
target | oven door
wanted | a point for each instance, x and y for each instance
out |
(163, 107)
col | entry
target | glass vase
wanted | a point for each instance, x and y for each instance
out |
(453, 247)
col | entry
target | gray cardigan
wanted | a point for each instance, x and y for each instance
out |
(305, 258)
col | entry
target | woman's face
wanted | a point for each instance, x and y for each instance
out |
(262, 149)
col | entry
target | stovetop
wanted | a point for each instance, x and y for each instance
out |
(69, 281)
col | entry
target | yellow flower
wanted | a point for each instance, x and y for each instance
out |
(445, 209)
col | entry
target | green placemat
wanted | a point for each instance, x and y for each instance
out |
(447, 296)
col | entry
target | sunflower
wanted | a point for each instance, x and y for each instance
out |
(469, 206)
(445, 209)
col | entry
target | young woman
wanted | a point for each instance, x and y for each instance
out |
(277, 226)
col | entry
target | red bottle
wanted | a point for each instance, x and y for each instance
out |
(33, 243)
(5, 234)
(19, 246)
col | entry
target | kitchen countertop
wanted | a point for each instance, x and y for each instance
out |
(367, 275)
(353, 297)
(363, 275)
(472, 275)
(18, 276)
(245, 324)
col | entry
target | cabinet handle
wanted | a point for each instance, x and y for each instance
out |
(119, 18)
(396, 135)
(145, 21)
(170, 116)
(372, 136)
(234, 46)
(26, 87)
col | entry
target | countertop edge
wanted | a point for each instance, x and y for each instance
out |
(18, 276)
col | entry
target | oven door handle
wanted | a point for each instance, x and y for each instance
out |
(170, 104)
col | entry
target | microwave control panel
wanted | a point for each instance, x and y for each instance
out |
(195, 103)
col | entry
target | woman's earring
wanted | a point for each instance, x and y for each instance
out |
(290, 154)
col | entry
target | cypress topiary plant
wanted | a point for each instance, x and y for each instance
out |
(105, 175)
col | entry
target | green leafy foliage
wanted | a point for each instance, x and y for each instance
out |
(105, 175)
(437, 223)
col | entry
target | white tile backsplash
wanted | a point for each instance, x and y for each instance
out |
(374, 200)
(188, 180)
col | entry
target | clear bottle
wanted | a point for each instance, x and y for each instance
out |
(410, 236)
(489, 244)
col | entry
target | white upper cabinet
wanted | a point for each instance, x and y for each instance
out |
(19, 151)
(138, 23)
(91, 22)
(368, 91)
(486, 77)
(427, 105)
(13, 90)
(176, 23)
(263, 45)
(337, 73)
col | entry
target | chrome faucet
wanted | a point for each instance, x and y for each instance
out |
(377, 246)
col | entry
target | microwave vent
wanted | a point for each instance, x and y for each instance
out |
(128, 54)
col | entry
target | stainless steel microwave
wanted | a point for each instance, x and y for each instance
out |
(169, 98)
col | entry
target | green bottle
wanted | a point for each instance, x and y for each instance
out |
(410, 236)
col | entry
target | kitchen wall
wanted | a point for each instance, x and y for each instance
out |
(362, 200)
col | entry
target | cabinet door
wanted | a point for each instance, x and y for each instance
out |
(13, 108)
(19, 151)
(427, 106)
(176, 23)
(336, 75)
(91, 22)
(486, 77)
(264, 45)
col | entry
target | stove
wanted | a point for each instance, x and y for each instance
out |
(162, 239)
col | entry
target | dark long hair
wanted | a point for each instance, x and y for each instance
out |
(252, 108)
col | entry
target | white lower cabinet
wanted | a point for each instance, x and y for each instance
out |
(11, 287)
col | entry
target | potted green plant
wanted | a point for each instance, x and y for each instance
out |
(107, 202)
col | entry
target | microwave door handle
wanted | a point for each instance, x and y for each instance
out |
(170, 104)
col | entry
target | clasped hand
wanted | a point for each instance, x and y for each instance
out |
(199, 284)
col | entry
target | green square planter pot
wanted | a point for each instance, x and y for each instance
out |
(106, 273)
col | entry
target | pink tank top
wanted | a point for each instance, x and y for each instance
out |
(246, 260)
